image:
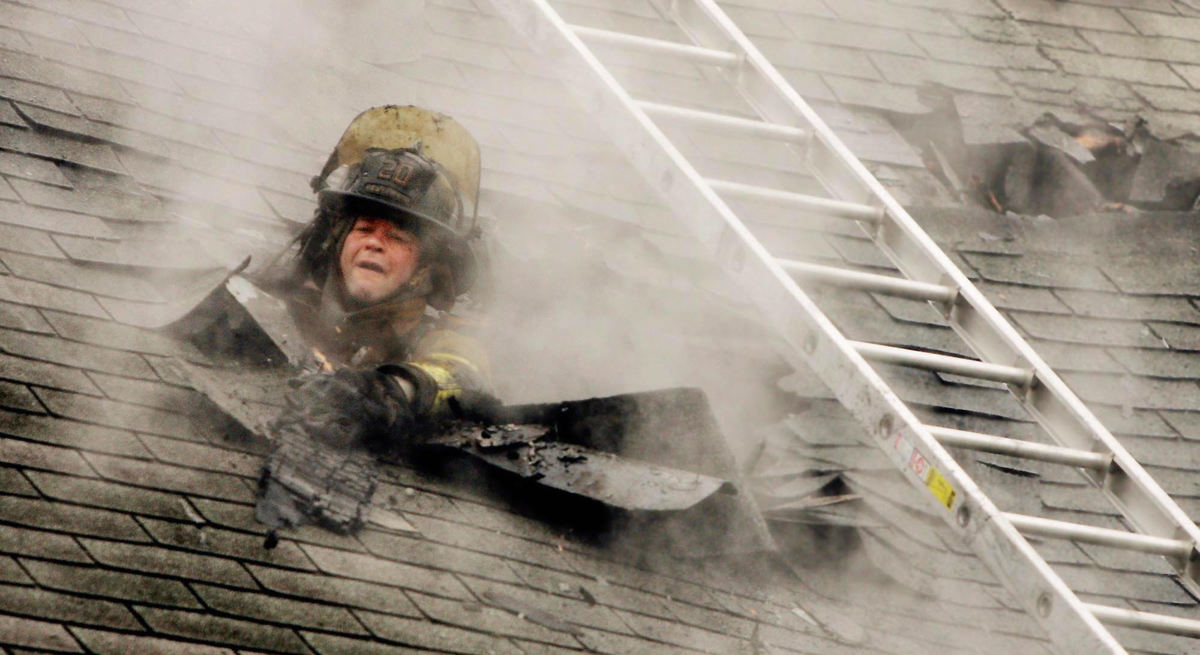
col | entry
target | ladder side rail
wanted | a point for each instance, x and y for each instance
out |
(813, 339)
(1064, 416)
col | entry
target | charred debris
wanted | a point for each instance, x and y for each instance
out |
(1054, 163)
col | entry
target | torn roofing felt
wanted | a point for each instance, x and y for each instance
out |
(148, 147)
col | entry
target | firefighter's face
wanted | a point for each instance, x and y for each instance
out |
(377, 258)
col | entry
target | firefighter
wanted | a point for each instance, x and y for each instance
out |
(372, 286)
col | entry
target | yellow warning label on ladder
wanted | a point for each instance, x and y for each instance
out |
(941, 488)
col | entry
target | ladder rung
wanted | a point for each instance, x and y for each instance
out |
(1026, 449)
(944, 363)
(893, 286)
(1037, 525)
(726, 122)
(658, 46)
(839, 208)
(1145, 620)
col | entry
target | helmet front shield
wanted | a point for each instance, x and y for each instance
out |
(438, 137)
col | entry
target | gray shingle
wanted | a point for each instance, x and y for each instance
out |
(64, 517)
(212, 458)
(1087, 330)
(83, 62)
(426, 635)
(1012, 296)
(1166, 453)
(427, 553)
(494, 30)
(117, 206)
(1145, 277)
(117, 414)
(47, 545)
(1186, 423)
(168, 55)
(1179, 100)
(1189, 73)
(876, 95)
(152, 254)
(194, 37)
(914, 71)
(1045, 11)
(789, 53)
(207, 627)
(11, 572)
(675, 634)
(69, 433)
(1122, 584)
(1113, 305)
(1157, 24)
(1159, 363)
(11, 38)
(372, 569)
(972, 52)
(1177, 336)
(913, 19)
(50, 220)
(152, 394)
(23, 318)
(55, 350)
(328, 644)
(19, 397)
(1118, 68)
(173, 563)
(12, 482)
(160, 315)
(29, 241)
(1039, 270)
(90, 11)
(90, 279)
(263, 607)
(487, 541)
(863, 37)
(31, 168)
(111, 584)
(50, 146)
(108, 495)
(885, 147)
(38, 95)
(10, 117)
(1120, 420)
(172, 478)
(139, 120)
(761, 22)
(120, 643)
(7, 193)
(352, 593)
(494, 620)
(1141, 47)
(38, 634)
(45, 374)
(40, 22)
(1006, 30)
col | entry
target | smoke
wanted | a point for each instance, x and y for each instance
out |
(585, 299)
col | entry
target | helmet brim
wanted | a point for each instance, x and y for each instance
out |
(347, 203)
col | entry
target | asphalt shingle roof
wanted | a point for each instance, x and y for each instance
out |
(148, 146)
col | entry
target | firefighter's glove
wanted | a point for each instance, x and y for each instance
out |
(350, 408)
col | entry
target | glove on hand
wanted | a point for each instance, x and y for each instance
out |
(349, 408)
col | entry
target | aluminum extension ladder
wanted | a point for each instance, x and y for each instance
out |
(917, 449)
